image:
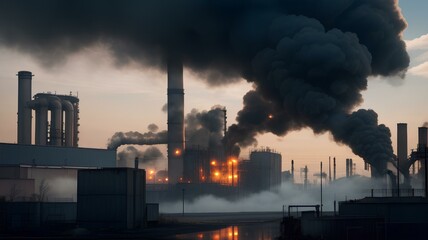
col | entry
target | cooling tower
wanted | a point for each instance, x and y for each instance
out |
(176, 143)
(402, 142)
(24, 111)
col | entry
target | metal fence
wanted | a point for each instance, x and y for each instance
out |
(408, 192)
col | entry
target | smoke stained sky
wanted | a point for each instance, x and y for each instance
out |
(133, 104)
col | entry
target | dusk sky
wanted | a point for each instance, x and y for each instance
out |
(130, 97)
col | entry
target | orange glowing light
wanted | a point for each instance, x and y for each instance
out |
(166, 179)
(230, 176)
(270, 116)
(151, 172)
(216, 174)
(200, 235)
(234, 160)
(177, 152)
(213, 163)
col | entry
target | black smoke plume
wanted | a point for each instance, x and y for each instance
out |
(205, 128)
(149, 138)
(309, 59)
(147, 159)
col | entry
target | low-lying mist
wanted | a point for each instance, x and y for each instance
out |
(288, 194)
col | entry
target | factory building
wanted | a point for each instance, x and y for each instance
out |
(112, 198)
(261, 172)
(55, 159)
(206, 166)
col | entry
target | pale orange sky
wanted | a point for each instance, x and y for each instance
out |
(131, 97)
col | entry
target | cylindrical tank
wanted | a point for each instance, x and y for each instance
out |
(56, 121)
(40, 105)
(24, 112)
(69, 122)
(175, 119)
(402, 142)
(422, 143)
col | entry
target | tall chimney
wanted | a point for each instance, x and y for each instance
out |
(347, 167)
(176, 142)
(292, 170)
(402, 143)
(422, 144)
(24, 111)
(334, 168)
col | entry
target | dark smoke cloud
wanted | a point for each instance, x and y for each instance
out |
(153, 127)
(136, 138)
(309, 59)
(147, 158)
(205, 128)
(165, 108)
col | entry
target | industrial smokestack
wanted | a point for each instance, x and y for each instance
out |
(24, 111)
(176, 142)
(334, 169)
(292, 170)
(422, 143)
(329, 169)
(347, 167)
(402, 143)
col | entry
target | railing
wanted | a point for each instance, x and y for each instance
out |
(409, 192)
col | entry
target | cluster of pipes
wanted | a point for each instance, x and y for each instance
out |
(405, 160)
(54, 131)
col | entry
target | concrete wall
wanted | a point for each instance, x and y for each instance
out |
(111, 198)
(60, 184)
(13, 154)
(16, 189)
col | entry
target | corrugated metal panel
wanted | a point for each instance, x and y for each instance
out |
(106, 197)
(152, 212)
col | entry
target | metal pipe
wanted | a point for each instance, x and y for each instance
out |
(56, 120)
(176, 143)
(69, 123)
(24, 111)
(40, 105)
